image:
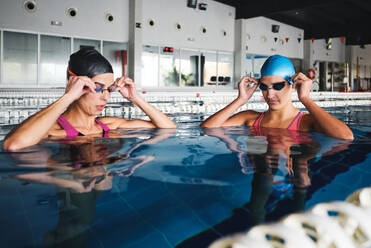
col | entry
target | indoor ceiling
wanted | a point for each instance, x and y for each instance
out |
(318, 18)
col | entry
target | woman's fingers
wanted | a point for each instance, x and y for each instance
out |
(255, 85)
(248, 80)
(299, 76)
(91, 86)
(124, 81)
(84, 83)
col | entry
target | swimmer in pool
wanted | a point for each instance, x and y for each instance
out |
(90, 84)
(278, 80)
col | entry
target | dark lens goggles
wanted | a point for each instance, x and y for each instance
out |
(99, 87)
(276, 86)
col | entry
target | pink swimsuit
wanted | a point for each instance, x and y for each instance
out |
(294, 126)
(71, 132)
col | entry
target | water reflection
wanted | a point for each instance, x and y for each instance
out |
(207, 185)
(82, 170)
(278, 160)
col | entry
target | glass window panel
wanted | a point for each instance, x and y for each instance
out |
(20, 58)
(116, 54)
(169, 68)
(258, 63)
(190, 67)
(209, 68)
(225, 69)
(249, 68)
(1, 67)
(150, 66)
(81, 43)
(54, 56)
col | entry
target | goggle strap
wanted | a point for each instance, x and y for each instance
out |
(70, 72)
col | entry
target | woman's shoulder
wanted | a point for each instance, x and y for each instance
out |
(249, 113)
(306, 122)
(56, 130)
(111, 121)
(249, 116)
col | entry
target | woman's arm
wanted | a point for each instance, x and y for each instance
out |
(158, 119)
(223, 117)
(37, 127)
(322, 121)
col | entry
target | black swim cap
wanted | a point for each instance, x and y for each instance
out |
(88, 62)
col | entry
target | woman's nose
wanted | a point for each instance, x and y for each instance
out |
(270, 92)
(106, 95)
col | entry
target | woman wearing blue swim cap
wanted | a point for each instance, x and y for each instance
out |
(278, 81)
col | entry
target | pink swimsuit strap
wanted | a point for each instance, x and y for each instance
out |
(294, 125)
(258, 121)
(71, 132)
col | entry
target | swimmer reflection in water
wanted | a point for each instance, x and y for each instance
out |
(279, 161)
(82, 170)
(277, 82)
(81, 164)
(90, 84)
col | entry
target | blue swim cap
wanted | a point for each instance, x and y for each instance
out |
(278, 65)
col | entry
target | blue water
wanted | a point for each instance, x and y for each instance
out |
(174, 188)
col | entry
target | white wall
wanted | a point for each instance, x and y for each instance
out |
(258, 38)
(318, 51)
(89, 23)
(255, 36)
(364, 55)
(166, 13)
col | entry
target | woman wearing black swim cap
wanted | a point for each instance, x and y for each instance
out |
(277, 82)
(90, 83)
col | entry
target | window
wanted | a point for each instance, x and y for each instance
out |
(209, 68)
(20, 58)
(258, 63)
(190, 67)
(225, 69)
(150, 66)
(116, 54)
(186, 67)
(82, 43)
(249, 66)
(169, 68)
(54, 56)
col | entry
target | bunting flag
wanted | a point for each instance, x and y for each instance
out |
(342, 39)
(313, 39)
(299, 39)
(287, 39)
(275, 39)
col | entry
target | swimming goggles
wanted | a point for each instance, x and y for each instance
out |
(99, 87)
(275, 86)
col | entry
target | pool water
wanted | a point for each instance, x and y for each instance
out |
(174, 188)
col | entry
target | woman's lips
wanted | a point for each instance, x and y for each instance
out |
(100, 107)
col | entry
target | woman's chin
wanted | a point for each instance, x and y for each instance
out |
(274, 106)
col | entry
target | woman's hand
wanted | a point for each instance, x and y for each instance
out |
(126, 87)
(78, 86)
(245, 92)
(303, 85)
(79, 187)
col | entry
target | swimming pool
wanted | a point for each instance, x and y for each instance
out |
(174, 188)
